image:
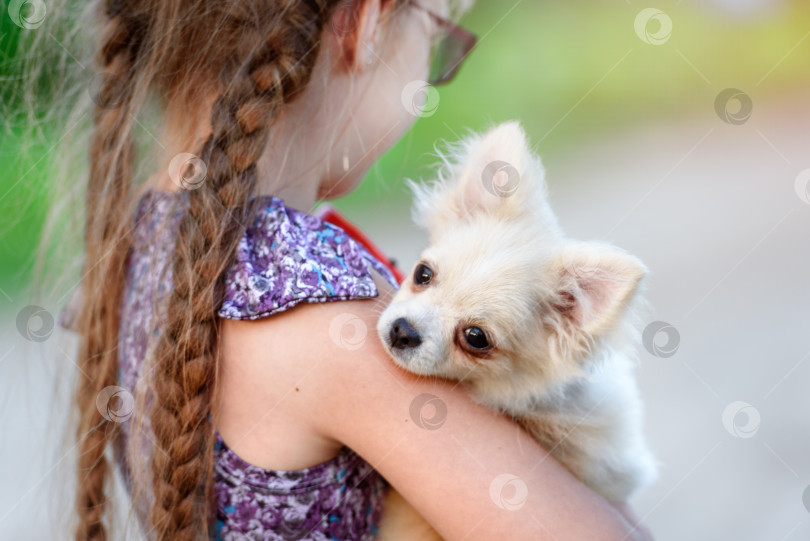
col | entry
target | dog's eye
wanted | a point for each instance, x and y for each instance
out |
(476, 338)
(422, 275)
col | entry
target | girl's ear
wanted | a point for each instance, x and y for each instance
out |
(355, 26)
(593, 284)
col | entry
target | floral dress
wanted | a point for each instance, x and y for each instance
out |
(286, 257)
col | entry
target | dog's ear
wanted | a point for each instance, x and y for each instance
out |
(498, 172)
(592, 285)
(495, 172)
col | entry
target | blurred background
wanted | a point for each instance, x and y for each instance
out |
(679, 131)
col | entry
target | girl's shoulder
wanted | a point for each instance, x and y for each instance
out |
(285, 257)
(288, 256)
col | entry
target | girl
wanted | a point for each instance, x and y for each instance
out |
(238, 402)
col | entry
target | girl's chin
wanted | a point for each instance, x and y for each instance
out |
(334, 188)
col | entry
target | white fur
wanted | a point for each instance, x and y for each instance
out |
(564, 316)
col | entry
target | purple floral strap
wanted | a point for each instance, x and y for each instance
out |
(288, 256)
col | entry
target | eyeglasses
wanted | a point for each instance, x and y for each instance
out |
(450, 51)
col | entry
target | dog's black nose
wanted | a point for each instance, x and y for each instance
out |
(402, 335)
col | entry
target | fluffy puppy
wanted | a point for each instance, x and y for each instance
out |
(536, 325)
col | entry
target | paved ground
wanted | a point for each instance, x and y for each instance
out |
(713, 211)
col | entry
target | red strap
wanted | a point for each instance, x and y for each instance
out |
(328, 213)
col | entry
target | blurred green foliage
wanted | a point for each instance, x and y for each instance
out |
(568, 70)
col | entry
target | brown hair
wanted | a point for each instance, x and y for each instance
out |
(260, 56)
(253, 56)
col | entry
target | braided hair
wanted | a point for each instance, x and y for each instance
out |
(257, 56)
(106, 241)
(259, 80)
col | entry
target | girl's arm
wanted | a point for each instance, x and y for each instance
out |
(450, 472)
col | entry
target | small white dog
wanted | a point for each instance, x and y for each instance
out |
(536, 325)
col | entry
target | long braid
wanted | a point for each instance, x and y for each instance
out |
(106, 241)
(257, 82)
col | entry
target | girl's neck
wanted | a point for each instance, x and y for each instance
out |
(282, 173)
